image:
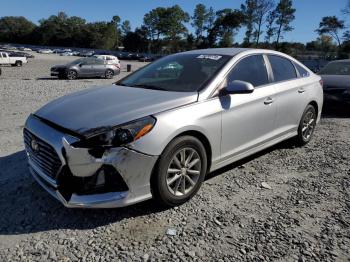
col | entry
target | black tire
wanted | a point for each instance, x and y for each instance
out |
(18, 63)
(161, 191)
(109, 74)
(306, 126)
(72, 74)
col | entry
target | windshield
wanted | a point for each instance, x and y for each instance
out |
(336, 68)
(179, 73)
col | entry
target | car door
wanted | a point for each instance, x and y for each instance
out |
(4, 58)
(291, 93)
(248, 120)
(99, 67)
(85, 68)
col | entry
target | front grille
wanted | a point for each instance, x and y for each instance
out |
(45, 156)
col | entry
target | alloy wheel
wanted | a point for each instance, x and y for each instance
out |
(308, 126)
(183, 172)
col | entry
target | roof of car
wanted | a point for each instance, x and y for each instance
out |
(219, 51)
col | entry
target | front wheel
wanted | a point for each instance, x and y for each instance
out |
(306, 126)
(71, 75)
(18, 63)
(180, 171)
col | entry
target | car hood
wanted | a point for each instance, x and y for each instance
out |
(96, 109)
(59, 67)
(336, 81)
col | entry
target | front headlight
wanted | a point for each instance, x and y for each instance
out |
(120, 135)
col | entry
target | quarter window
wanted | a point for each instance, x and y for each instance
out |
(251, 69)
(302, 71)
(282, 68)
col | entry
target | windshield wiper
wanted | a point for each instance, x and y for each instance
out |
(149, 87)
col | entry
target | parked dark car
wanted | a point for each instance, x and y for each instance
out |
(336, 82)
(20, 54)
(86, 53)
(85, 67)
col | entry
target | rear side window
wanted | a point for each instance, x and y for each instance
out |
(250, 69)
(282, 68)
(302, 71)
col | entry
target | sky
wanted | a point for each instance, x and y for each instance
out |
(308, 12)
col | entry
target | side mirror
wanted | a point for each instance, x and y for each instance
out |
(238, 87)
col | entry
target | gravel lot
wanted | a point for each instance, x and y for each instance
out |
(302, 213)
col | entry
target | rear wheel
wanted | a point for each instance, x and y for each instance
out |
(306, 126)
(18, 63)
(71, 75)
(109, 74)
(180, 171)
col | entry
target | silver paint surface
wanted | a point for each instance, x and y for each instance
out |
(235, 126)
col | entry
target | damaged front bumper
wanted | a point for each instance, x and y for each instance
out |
(118, 177)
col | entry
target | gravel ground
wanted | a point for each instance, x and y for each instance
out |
(284, 204)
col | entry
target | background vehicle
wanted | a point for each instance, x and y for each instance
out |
(6, 59)
(24, 49)
(66, 54)
(20, 54)
(159, 131)
(45, 51)
(110, 59)
(336, 82)
(85, 67)
(87, 53)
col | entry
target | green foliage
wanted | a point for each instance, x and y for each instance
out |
(200, 19)
(15, 29)
(331, 25)
(284, 16)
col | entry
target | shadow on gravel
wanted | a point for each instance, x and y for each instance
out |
(288, 144)
(26, 208)
(331, 111)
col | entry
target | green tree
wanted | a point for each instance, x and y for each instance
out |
(15, 29)
(248, 9)
(226, 24)
(116, 21)
(263, 8)
(284, 16)
(331, 25)
(126, 27)
(200, 18)
(270, 25)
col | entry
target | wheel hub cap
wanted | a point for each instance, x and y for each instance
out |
(183, 172)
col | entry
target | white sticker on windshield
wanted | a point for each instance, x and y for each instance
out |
(212, 57)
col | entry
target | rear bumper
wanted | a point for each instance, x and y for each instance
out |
(134, 168)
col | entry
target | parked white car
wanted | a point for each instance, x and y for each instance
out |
(67, 54)
(45, 51)
(111, 59)
(5, 59)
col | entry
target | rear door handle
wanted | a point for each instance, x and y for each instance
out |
(268, 101)
(301, 90)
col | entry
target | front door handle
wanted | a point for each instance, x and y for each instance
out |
(268, 101)
(301, 90)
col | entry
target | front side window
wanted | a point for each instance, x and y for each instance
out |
(251, 69)
(179, 73)
(336, 68)
(282, 68)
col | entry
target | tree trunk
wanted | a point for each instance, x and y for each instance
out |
(259, 30)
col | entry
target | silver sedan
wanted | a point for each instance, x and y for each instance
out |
(158, 132)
